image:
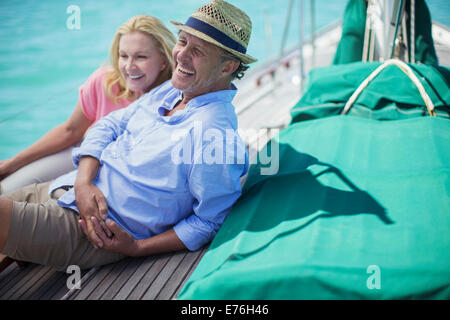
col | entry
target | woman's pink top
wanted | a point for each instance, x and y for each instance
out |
(94, 101)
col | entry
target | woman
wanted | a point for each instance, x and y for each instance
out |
(141, 59)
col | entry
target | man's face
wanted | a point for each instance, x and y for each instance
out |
(198, 66)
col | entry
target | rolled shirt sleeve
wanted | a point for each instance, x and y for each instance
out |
(215, 188)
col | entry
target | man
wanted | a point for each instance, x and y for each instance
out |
(130, 194)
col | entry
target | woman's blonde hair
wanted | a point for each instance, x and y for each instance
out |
(149, 25)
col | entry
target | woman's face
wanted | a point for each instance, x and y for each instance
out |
(140, 61)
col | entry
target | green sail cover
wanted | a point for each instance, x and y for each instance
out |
(390, 95)
(350, 47)
(359, 209)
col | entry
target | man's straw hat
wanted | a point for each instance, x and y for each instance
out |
(223, 25)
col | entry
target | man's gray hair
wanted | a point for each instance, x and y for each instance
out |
(239, 73)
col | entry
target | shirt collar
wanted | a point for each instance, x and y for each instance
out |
(219, 96)
(199, 101)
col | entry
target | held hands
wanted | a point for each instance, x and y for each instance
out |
(101, 232)
(120, 241)
(92, 204)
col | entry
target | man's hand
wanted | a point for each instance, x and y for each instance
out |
(91, 203)
(90, 200)
(120, 241)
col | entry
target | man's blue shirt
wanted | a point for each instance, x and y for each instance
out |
(158, 172)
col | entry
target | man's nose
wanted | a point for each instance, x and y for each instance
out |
(183, 54)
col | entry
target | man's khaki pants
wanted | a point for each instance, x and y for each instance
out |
(45, 233)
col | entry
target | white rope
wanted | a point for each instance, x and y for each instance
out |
(412, 37)
(367, 30)
(407, 70)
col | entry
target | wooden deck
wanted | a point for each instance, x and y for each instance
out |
(149, 278)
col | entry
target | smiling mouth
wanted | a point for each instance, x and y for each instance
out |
(185, 71)
(136, 77)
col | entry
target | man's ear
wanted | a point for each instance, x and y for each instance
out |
(230, 66)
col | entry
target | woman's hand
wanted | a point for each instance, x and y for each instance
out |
(7, 167)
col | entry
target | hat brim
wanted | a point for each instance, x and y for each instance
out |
(245, 58)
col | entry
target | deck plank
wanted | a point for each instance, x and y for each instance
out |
(124, 277)
(15, 291)
(179, 275)
(20, 277)
(26, 291)
(5, 275)
(8, 275)
(92, 283)
(46, 290)
(58, 290)
(162, 277)
(148, 278)
(141, 270)
(202, 253)
(109, 280)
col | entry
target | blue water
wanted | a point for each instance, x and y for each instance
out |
(43, 62)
